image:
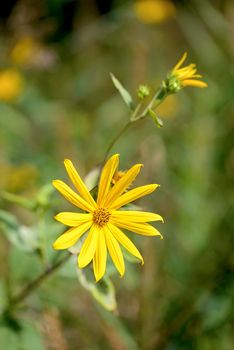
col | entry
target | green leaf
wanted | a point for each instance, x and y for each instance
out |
(44, 196)
(123, 92)
(8, 220)
(26, 337)
(103, 292)
(156, 119)
(91, 179)
(23, 267)
(16, 199)
(68, 270)
(3, 295)
(23, 237)
(8, 339)
(215, 310)
(31, 338)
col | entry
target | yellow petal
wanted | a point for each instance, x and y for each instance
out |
(71, 236)
(89, 247)
(114, 250)
(186, 69)
(181, 61)
(99, 260)
(78, 183)
(196, 76)
(196, 83)
(132, 195)
(73, 219)
(71, 196)
(125, 241)
(106, 177)
(187, 74)
(122, 184)
(140, 228)
(135, 216)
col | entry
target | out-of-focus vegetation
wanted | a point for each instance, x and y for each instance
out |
(57, 100)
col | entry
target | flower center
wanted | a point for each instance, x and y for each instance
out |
(101, 217)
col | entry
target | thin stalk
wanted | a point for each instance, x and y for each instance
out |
(157, 99)
(16, 199)
(121, 132)
(42, 236)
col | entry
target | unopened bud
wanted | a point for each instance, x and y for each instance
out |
(143, 91)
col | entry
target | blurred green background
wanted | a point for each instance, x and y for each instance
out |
(57, 101)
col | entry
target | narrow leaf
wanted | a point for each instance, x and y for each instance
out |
(23, 237)
(123, 92)
(156, 119)
(103, 292)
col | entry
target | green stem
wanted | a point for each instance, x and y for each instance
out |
(16, 199)
(42, 236)
(121, 132)
(134, 114)
(29, 288)
(157, 99)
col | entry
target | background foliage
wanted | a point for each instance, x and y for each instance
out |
(57, 101)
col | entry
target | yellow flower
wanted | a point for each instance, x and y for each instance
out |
(21, 177)
(117, 176)
(11, 85)
(186, 76)
(25, 50)
(102, 218)
(154, 11)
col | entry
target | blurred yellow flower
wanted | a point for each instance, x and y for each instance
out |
(117, 176)
(21, 177)
(154, 11)
(24, 50)
(186, 76)
(11, 85)
(17, 178)
(102, 218)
